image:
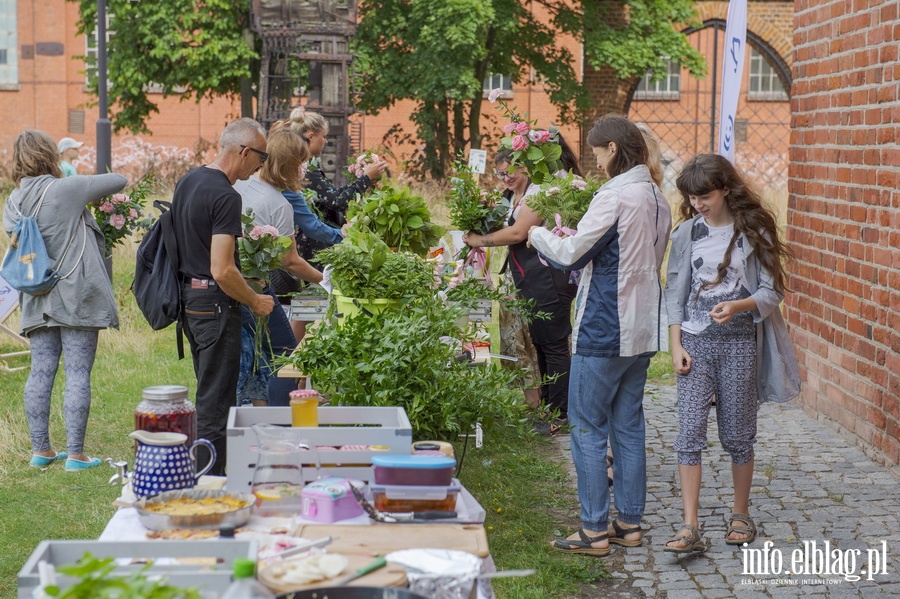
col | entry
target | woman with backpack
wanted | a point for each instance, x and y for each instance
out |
(65, 321)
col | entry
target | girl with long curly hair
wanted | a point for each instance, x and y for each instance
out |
(726, 279)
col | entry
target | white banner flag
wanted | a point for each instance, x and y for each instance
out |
(732, 74)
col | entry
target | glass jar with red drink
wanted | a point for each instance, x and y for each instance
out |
(166, 409)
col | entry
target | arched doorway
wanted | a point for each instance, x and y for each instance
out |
(683, 112)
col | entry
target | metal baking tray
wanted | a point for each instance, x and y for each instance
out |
(156, 521)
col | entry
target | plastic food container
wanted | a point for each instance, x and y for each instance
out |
(417, 470)
(410, 498)
(330, 500)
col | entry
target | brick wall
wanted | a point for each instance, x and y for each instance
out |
(844, 218)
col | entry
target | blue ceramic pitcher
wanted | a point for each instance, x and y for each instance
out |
(165, 463)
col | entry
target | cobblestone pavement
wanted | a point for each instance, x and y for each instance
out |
(810, 487)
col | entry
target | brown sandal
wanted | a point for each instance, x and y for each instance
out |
(620, 531)
(585, 545)
(692, 542)
(749, 530)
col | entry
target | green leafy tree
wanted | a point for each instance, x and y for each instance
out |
(438, 52)
(188, 48)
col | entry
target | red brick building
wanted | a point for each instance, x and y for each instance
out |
(844, 217)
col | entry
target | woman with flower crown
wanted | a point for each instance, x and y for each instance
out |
(262, 194)
(548, 287)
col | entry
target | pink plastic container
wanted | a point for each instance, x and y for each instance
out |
(329, 500)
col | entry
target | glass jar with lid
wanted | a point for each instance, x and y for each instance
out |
(166, 409)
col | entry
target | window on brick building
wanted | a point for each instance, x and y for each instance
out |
(667, 88)
(90, 50)
(9, 66)
(495, 81)
(765, 85)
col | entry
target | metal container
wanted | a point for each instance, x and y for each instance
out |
(156, 521)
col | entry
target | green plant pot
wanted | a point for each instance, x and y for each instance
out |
(348, 306)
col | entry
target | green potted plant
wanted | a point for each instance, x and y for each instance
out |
(399, 218)
(407, 358)
(367, 276)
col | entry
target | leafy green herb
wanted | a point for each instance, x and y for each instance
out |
(401, 359)
(363, 267)
(97, 581)
(402, 220)
(568, 196)
(473, 208)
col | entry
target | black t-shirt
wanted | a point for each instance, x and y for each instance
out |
(204, 204)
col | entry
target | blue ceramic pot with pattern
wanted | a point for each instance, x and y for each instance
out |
(164, 463)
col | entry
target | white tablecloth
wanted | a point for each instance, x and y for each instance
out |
(125, 526)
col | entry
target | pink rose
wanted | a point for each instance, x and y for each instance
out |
(519, 143)
(256, 233)
(495, 93)
(119, 198)
(132, 214)
(523, 128)
(509, 128)
(117, 221)
(579, 184)
(542, 136)
(107, 207)
(270, 230)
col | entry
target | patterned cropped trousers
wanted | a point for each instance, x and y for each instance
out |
(723, 368)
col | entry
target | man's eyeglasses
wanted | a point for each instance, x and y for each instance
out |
(263, 156)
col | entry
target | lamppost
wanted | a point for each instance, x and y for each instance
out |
(104, 129)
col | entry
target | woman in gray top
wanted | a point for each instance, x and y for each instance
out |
(67, 320)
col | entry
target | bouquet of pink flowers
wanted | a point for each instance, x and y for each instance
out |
(538, 150)
(357, 168)
(260, 250)
(120, 215)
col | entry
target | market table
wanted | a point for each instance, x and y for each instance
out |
(354, 536)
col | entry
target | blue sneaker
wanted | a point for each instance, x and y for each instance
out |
(73, 465)
(39, 461)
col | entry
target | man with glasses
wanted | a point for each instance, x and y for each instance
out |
(206, 212)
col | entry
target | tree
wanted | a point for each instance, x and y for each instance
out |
(438, 52)
(189, 48)
(434, 52)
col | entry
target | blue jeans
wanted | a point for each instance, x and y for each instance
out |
(263, 384)
(212, 324)
(606, 401)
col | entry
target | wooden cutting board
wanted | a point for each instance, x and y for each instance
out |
(391, 575)
(381, 539)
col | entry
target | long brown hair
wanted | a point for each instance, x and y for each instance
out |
(34, 154)
(287, 151)
(709, 172)
(632, 149)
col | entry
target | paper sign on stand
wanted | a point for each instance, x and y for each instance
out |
(478, 161)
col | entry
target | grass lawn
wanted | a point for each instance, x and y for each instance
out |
(519, 479)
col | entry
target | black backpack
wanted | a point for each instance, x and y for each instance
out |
(156, 286)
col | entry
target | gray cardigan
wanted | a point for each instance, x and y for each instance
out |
(85, 299)
(778, 376)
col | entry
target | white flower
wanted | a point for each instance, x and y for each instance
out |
(553, 191)
(495, 93)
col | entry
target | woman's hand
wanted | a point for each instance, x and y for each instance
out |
(530, 231)
(723, 312)
(473, 240)
(375, 170)
(681, 360)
